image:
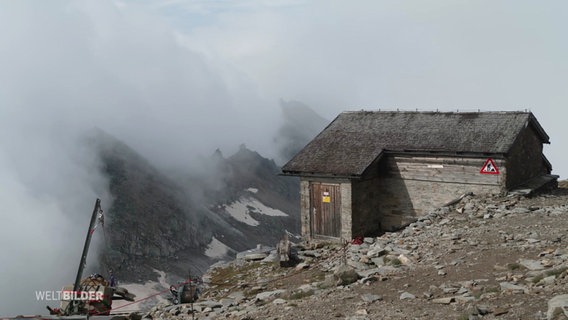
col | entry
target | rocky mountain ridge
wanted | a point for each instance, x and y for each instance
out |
(182, 220)
(482, 258)
(160, 221)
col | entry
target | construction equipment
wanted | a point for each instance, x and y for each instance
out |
(186, 292)
(92, 295)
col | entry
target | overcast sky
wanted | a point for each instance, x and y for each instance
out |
(349, 55)
(179, 78)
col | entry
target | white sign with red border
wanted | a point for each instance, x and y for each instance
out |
(489, 167)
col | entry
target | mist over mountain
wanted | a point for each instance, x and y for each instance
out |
(176, 220)
(169, 221)
(149, 217)
(301, 124)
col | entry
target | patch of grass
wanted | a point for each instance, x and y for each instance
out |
(548, 273)
(231, 275)
(557, 312)
(513, 266)
(318, 276)
(463, 316)
(301, 294)
(492, 289)
(537, 279)
(477, 294)
(556, 272)
(325, 285)
(395, 262)
(253, 291)
(486, 290)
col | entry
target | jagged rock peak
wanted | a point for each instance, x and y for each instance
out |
(217, 155)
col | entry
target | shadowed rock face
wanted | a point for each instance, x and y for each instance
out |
(166, 221)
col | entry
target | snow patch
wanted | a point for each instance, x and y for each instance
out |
(241, 209)
(162, 278)
(253, 190)
(216, 249)
(148, 289)
(240, 212)
(263, 209)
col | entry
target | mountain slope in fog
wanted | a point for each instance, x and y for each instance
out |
(159, 222)
(147, 214)
(301, 125)
(184, 221)
(246, 185)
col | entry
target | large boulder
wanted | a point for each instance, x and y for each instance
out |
(558, 307)
(345, 275)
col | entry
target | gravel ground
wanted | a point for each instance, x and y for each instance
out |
(484, 258)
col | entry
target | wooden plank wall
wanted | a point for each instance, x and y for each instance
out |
(443, 169)
(326, 219)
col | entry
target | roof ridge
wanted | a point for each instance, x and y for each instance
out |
(525, 111)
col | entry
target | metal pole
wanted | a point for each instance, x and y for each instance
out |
(192, 294)
(73, 303)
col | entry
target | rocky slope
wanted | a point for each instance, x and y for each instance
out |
(246, 192)
(183, 220)
(183, 223)
(483, 258)
(147, 215)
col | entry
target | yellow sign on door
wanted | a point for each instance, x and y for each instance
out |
(326, 198)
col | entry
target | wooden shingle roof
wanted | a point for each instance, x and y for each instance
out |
(353, 140)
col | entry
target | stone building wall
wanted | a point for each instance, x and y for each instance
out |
(412, 186)
(346, 211)
(403, 187)
(525, 160)
(366, 205)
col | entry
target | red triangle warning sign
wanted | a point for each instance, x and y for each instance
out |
(489, 167)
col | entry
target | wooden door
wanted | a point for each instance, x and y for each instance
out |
(325, 203)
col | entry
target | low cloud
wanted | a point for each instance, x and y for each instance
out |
(69, 67)
(178, 79)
